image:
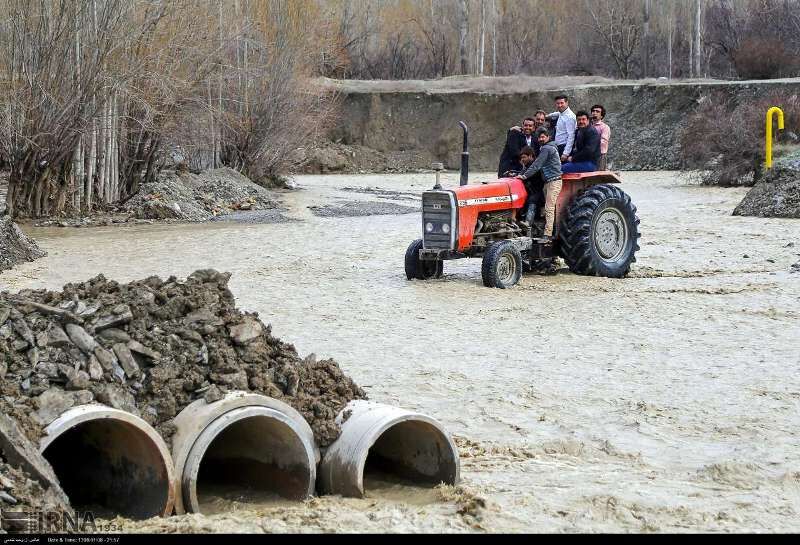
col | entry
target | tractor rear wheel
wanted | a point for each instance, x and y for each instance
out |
(419, 269)
(502, 265)
(599, 235)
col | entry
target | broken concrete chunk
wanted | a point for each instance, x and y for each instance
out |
(47, 368)
(78, 380)
(21, 327)
(81, 338)
(5, 497)
(247, 331)
(82, 397)
(83, 310)
(4, 314)
(126, 360)
(114, 320)
(118, 397)
(119, 373)
(201, 316)
(56, 337)
(51, 404)
(95, 369)
(33, 356)
(105, 357)
(139, 348)
(114, 335)
(212, 394)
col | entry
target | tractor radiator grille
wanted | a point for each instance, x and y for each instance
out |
(438, 209)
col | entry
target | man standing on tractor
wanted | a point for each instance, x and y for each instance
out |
(598, 122)
(549, 163)
(565, 126)
(586, 154)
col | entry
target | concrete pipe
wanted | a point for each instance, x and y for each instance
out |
(110, 462)
(242, 444)
(387, 442)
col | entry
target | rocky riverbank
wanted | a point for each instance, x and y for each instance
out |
(403, 126)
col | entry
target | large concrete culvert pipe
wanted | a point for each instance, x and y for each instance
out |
(110, 462)
(390, 442)
(244, 445)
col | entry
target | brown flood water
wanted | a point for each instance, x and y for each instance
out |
(666, 401)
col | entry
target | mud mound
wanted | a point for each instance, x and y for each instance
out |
(361, 208)
(328, 157)
(198, 197)
(776, 196)
(15, 246)
(151, 347)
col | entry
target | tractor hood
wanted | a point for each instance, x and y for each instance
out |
(503, 194)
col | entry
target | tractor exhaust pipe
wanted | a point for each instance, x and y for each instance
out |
(112, 459)
(244, 444)
(381, 443)
(464, 154)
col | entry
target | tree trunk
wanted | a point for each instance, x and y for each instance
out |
(698, 50)
(90, 167)
(463, 29)
(646, 39)
(482, 54)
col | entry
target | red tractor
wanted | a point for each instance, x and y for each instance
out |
(596, 228)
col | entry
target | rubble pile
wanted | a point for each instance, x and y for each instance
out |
(777, 194)
(15, 246)
(27, 482)
(151, 347)
(198, 197)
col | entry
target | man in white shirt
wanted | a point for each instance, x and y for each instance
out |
(565, 127)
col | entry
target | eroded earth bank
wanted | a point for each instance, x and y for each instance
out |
(667, 401)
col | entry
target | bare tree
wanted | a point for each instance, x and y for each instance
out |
(617, 24)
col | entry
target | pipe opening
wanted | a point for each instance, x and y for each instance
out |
(111, 467)
(253, 460)
(410, 453)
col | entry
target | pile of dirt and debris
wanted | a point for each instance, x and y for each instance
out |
(777, 195)
(15, 246)
(349, 209)
(27, 484)
(198, 197)
(332, 157)
(151, 347)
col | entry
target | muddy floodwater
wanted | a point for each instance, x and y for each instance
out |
(666, 401)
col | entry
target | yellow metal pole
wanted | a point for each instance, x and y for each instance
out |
(770, 113)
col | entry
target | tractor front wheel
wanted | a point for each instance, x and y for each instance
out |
(419, 269)
(600, 233)
(502, 265)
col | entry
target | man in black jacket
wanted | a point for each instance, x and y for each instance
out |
(515, 141)
(586, 151)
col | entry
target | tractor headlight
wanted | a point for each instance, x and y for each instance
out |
(429, 227)
(446, 228)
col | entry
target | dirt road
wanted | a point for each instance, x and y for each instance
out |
(667, 401)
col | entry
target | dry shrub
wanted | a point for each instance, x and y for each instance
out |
(724, 140)
(765, 57)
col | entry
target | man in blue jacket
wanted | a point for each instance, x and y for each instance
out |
(586, 152)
